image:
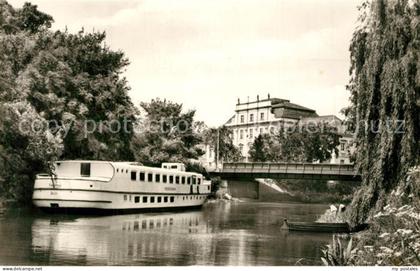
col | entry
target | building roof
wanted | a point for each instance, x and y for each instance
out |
(326, 118)
(289, 105)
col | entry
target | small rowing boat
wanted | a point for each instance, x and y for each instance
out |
(321, 227)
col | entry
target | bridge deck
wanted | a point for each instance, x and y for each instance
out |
(290, 171)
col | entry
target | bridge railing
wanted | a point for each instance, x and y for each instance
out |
(292, 168)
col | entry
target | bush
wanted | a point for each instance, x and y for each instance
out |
(394, 233)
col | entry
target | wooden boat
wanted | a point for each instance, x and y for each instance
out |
(316, 227)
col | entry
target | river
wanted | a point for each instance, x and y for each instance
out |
(221, 233)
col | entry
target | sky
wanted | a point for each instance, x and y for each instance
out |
(206, 54)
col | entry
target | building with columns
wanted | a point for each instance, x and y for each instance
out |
(267, 115)
(262, 116)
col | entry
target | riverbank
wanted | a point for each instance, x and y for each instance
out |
(393, 236)
(311, 191)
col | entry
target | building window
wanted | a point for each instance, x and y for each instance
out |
(136, 199)
(142, 176)
(251, 133)
(183, 179)
(177, 179)
(198, 180)
(85, 169)
(342, 146)
(261, 131)
(189, 180)
(241, 147)
(157, 178)
(150, 177)
(341, 161)
(144, 199)
(242, 119)
(251, 117)
(194, 180)
(272, 130)
(164, 178)
(262, 116)
(133, 175)
(241, 134)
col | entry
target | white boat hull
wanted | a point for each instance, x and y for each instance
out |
(117, 193)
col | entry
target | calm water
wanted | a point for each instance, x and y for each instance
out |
(233, 233)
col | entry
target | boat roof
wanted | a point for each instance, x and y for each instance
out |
(127, 163)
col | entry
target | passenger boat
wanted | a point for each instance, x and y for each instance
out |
(118, 186)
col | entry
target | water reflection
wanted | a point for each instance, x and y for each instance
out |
(123, 239)
(246, 233)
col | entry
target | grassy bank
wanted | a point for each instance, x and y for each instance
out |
(394, 233)
(314, 191)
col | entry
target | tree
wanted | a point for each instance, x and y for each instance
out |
(70, 84)
(385, 94)
(265, 148)
(308, 142)
(298, 143)
(220, 140)
(166, 134)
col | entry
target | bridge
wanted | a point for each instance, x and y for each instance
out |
(247, 171)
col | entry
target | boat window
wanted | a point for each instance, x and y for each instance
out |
(117, 170)
(164, 178)
(133, 175)
(171, 179)
(142, 176)
(145, 199)
(177, 179)
(152, 199)
(150, 177)
(159, 199)
(125, 197)
(183, 179)
(193, 180)
(199, 180)
(174, 167)
(189, 180)
(157, 178)
(129, 198)
(172, 199)
(136, 199)
(208, 187)
(85, 169)
(165, 199)
(126, 171)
